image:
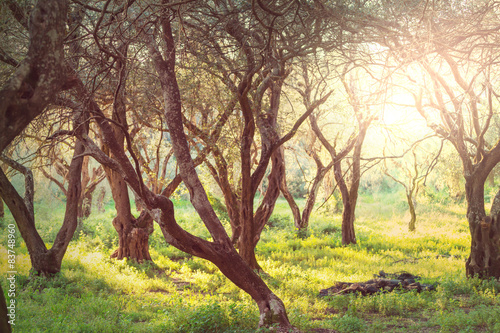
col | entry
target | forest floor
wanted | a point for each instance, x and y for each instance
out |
(179, 293)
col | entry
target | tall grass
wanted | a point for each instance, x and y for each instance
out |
(180, 293)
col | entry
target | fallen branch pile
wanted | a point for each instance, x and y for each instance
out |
(382, 283)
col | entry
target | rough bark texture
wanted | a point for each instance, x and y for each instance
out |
(484, 258)
(89, 185)
(495, 206)
(39, 77)
(133, 234)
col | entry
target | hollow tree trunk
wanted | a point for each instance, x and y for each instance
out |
(484, 258)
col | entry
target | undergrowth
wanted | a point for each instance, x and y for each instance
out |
(181, 293)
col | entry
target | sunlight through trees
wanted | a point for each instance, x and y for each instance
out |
(234, 105)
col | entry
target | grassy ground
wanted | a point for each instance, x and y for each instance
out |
(179, 293)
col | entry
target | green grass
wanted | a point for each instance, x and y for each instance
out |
(180, 293)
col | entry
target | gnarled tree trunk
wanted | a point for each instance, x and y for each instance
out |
(133, 234)
(39, 77)
(484, 258)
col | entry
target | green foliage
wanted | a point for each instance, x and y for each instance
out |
(180, 293)
(350, 323)
(279, 221)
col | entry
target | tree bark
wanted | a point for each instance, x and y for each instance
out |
(133, 234)
(251, 236)
(89, 185)
(224, 256)
(348, 233)
(297, 219)
(495, 206)
(100, 200)
(39, 77)
(484, 258)
(413, 215)
(85, 201)
(2, 209)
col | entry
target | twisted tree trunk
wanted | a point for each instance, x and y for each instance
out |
(413, 214)
(133, 234)
(484, 258)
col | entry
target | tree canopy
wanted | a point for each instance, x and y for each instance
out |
(214, 95)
